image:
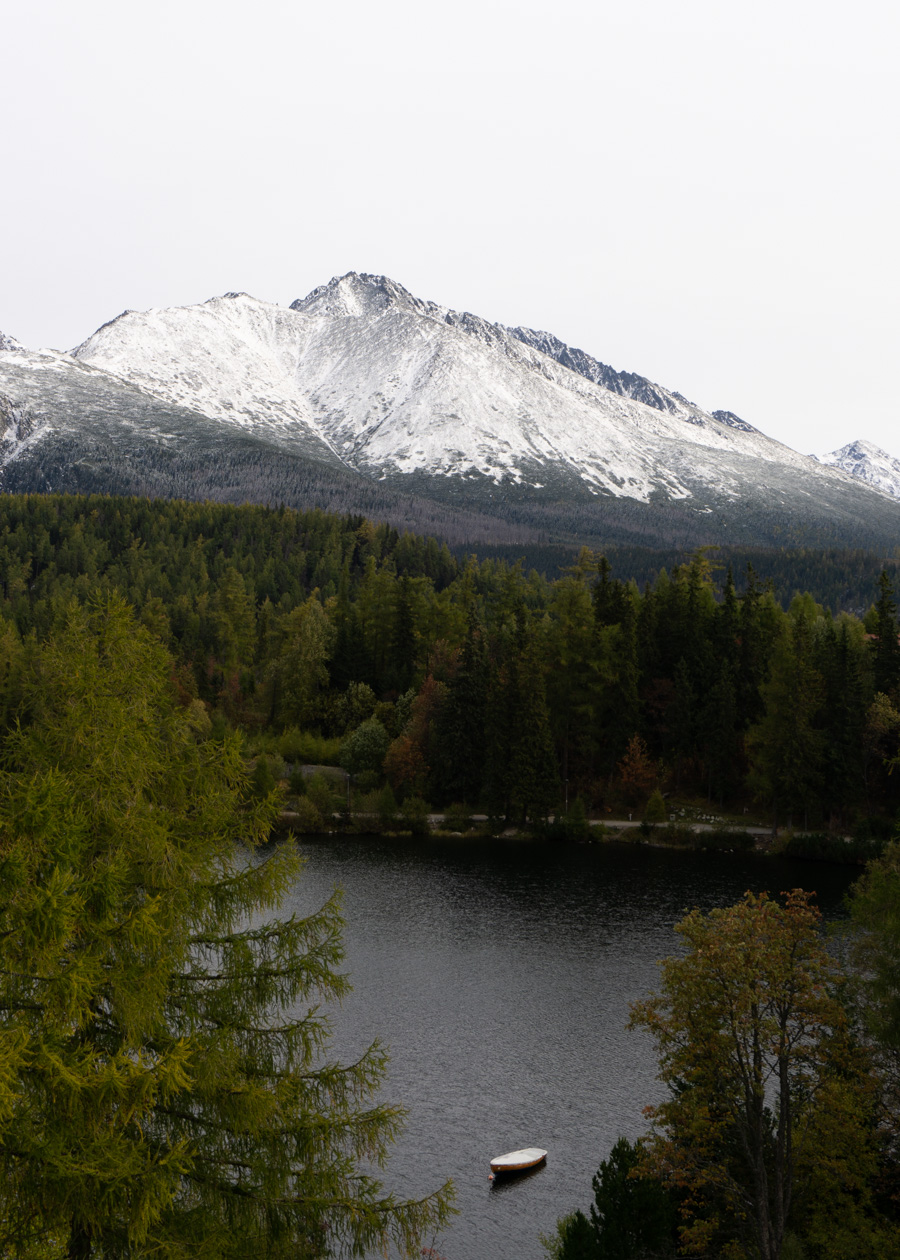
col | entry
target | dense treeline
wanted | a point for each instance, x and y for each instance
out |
(484, 685)
(840, 579)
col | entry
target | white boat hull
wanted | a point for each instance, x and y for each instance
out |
(518, 1161)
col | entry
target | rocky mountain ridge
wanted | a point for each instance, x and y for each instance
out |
(365, 380)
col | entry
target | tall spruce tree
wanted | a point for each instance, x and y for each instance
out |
(722, 745)
(163, 1089)
(618, 707)
(572, 680)
(844, 717)
(502, 713)
(886, 665)
(609, 596)
(787, 743)
(752, 654)
(349, 662)
(460, 734)
(521, 777)
(534, 776)
(684, 717)
(403, 638)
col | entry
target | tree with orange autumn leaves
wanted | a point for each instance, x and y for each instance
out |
(409, 757)
(637, 771)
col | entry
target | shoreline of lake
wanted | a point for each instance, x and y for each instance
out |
(765, 843)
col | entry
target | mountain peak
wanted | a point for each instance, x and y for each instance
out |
(860, 448)
(393, 385)
(868, 462)
(356, 293)
(9, 343)
(362, 377)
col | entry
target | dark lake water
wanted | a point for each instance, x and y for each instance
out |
(500, 976)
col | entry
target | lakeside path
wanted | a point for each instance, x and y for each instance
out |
(629, 824)
(618, 825)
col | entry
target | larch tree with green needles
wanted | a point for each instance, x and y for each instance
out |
(164, 1088)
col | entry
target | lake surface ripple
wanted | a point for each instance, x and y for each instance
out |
(500, 975)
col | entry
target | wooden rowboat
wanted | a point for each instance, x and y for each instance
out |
(518, 1161)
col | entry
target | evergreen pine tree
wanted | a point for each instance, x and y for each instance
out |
(403, 644)
(534, 787)
(844, 719)
(569, 647)
(787, 743)
(728, 621)
(521, 776)
(618, 708)
(722, 744)
(886, 664)
(752, 658)
(631, 1215)
(349, 659)
(684, 714)
(610, 597)
(502, 708)
(460, 735)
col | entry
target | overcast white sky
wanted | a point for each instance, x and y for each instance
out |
(702, 192)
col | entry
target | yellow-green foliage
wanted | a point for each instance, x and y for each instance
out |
(307, 819)
(323, 794)
(309, 749)
(161, 1087)
(656, 808)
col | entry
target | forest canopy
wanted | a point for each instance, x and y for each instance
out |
(493, 687)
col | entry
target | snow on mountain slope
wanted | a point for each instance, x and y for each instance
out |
(869, 463)
(393, 385)
(68, 427)
(459, 420)
(63, 405)
(233, 358)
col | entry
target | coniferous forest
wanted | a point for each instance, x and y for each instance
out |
(473, 682)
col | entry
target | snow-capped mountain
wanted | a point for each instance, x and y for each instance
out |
(627, 384)
(394, 385)
(868, 462)
(364, 379)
